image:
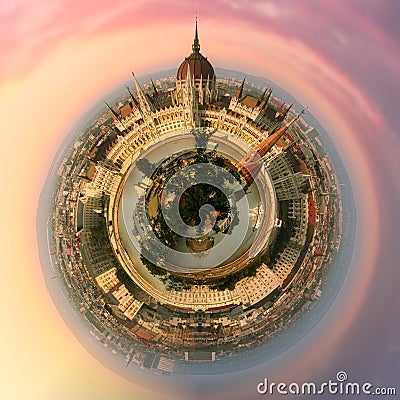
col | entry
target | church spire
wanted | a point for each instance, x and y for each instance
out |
(135, 102)
(112, 110)
(261, 98)
(196, 43)
(154, 87)
(250, 165)
(285, 113)
(266, 145)
(190, 99)
(145, 105)
(155, 96)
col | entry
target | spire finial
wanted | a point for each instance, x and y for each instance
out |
(196, 43)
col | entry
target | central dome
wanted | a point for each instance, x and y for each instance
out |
(198, 65)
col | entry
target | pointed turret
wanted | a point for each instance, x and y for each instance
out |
(200, 91)
(154, 87)
(144, 102)
(190, 99)
(196, 43)
(114, 113)
(155, 97)
(261, 98)
(251, 163)
(266, 98)
(286, 111)
(135, 102)
(144, 106)
(239, 93)
(189, 80)
(208, 90)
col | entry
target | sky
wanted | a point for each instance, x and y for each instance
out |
(339, 58)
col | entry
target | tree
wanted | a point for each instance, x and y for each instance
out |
(154, 269)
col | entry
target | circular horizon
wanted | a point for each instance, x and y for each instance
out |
(280, 343)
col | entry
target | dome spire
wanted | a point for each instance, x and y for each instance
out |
(196, 43)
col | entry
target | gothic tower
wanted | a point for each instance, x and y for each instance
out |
(202, 76)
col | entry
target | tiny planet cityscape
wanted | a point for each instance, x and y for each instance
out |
(194, 219)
